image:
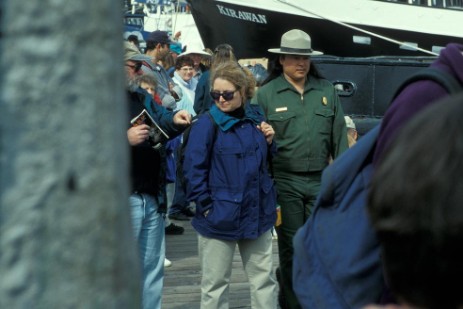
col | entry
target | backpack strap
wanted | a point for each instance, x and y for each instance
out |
(444, 79)
(216, 127)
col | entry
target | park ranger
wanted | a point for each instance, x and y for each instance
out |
(309, 125)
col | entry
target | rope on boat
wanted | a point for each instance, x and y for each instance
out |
(361, 30)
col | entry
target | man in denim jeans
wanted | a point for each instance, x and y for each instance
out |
(146, 200)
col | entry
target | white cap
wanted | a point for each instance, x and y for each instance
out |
(349, 123)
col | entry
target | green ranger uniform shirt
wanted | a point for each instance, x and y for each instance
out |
(309, 128)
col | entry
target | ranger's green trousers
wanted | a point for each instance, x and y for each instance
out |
(297, 193)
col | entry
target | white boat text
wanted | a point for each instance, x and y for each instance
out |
(255, 18)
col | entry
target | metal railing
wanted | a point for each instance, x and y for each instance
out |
(447, 4)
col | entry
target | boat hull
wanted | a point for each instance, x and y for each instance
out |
(366, 85)
(252, 31)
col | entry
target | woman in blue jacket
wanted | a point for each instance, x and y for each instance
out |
(226, 170)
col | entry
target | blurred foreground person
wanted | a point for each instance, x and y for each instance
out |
(415, 205)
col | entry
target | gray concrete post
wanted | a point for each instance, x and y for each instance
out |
(65, 234)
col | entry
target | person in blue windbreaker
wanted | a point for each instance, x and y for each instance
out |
(227, 176)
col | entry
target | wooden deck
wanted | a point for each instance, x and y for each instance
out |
(182, 280)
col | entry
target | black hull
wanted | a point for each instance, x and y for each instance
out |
(368, 83)
(252, 39)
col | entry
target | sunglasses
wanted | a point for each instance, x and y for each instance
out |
(226, 95)
(135, 67)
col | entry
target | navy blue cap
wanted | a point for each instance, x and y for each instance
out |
(159, 36)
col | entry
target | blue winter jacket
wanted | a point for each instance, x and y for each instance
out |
(226, 171)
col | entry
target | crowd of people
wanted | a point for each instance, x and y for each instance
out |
(253, 150)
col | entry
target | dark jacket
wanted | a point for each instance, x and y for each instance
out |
(351, 274)
(203, 100)
(226, 173)
(145, 160)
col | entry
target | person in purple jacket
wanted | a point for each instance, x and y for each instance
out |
(318, 273)
(412, 99)
(419, 95)
(226, 172)
(415, 208)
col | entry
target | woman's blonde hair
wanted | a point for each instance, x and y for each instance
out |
(239, 76)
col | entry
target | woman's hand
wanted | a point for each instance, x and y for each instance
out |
(267, 130)
(182, 118)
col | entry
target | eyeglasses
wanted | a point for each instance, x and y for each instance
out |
(135, 67)
(226, 95)
(187, 69)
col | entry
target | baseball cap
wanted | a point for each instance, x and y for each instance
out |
(159, 36)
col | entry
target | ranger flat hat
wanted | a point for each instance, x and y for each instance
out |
(295, 42)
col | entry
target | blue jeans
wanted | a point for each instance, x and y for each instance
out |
(148, 226)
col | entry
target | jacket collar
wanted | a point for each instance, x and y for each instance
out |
(191, 84)
(226, 122)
